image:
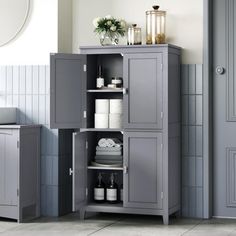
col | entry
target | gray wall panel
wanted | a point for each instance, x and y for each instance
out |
(192, 141)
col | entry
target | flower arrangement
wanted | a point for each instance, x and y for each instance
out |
(109, 27)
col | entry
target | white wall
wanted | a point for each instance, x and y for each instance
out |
(184, 22)
(65, 26)
(38, 38)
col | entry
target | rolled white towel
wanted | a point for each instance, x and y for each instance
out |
(102, 142)
(113, 142)
(109, 142)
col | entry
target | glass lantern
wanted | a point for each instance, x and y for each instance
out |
(134, 35)
(155, 26)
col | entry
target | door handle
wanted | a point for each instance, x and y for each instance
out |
(220, 70)
(126, 169)
(71, 171)
(125, 91)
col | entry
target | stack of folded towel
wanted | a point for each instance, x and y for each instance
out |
(109, 151)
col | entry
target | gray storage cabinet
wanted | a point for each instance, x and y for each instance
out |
(19, 172)
(151, 124)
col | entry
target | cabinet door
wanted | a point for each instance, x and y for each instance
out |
(143, 170)
(79, 171)
(67, 91)
(143, 98)
(9, 171)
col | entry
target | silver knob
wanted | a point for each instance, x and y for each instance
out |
(220, 70)
(126, 169)
(71, 171)
(125, 91)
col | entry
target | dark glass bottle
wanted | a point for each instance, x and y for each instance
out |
(112, 190)
(100, 79)
(99, 190)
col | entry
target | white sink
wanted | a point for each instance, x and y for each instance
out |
(7, 115)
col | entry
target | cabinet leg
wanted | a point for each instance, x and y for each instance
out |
(165, 219)
(82, 214)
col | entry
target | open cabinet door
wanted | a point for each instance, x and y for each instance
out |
(67, 91)
(79, 171)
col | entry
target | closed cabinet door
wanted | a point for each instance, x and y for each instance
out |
(67, 91)
(143, 170)
(9, 171)
(79, 173)
(143, 91)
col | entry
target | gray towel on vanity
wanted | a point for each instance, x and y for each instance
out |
(110, 153)
(107, 157)
(108, 149)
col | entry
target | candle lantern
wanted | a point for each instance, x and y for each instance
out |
(155, 26)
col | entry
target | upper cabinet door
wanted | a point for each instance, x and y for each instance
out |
(67, 91)
(79, 171)
(143, 86)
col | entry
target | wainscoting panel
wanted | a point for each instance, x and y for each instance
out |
(192, 146)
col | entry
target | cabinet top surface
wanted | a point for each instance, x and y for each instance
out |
(16, 126)
(130, 46)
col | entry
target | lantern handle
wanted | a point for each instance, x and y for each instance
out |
(155, 7)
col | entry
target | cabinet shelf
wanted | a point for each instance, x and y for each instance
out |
(100, 130)
(105, 90)
(104, 168)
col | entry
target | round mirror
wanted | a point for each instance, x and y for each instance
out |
(13, 15)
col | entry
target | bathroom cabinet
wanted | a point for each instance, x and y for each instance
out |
(19, 172)
(150, 129)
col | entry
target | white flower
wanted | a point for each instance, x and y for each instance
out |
(109, 23)
(122, 23)
(95, 21)
(113, 28)
(108, 17)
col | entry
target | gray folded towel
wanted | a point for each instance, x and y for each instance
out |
(109, 162)
(117, 153)
(107, 157)
(108, 149)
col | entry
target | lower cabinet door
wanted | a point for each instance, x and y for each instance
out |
(9, 168)
(143, 170)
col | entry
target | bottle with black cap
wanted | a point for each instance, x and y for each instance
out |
(112, 190)
(99, 190)
(100, 79)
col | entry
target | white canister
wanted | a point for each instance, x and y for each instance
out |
(115, 121)
(102, 106)
(101, 121)
(116, 106)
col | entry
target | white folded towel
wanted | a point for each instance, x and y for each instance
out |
(113, 142)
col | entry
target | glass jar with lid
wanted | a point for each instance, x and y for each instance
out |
(155, 26)
(134, 35)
